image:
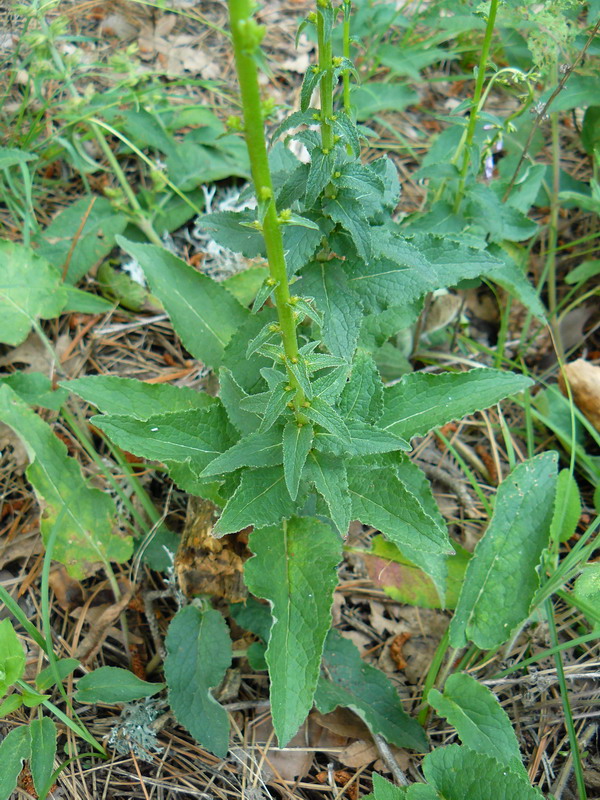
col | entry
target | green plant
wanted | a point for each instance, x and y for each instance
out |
(304, 436)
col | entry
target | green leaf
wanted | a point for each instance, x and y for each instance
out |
(198, 656)
(244, 285)
(299, 370)
(330, 478)
(583, 272)
(261, 499)
(364, 183)
(312, 78)
(35, 389)
(84, 517)
(10, 157)
(30, 289)
(384, 790)
(421, 401)
(502, 577)
(364, 440)
(114, 685)
(380, 499)
(12, 657)
(132, 398)
(371, 98)
(85, 302)
(43, 751)
(95, 240)
(297, 441)
(198, 435)
(346, 130)
(255, 450)
(586, 591)
(295, 569)
(299, 245)
(118, 287)
(277, 402)
(349, 212)
(204, 314)
(457, 773)
(227, 229)
(14, 749)
(329, 285)
(362, 397)
(319, 175)
(479, 719)
(391, 570)
(192, 164)
(47, 678)
(327, 417)
(347, 681)
(567, 508)
(11, 704)
(579, 91)
(231, 394)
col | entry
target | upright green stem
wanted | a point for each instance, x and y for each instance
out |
(553, 229)
(346, 54)
(487, 40)
(564, 694)
(247, 35)
(326, 86)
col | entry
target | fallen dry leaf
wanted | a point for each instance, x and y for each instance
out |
(358, 754)
(584, 380)
(68, 592)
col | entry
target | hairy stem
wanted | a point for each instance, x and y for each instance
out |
(246, 35)
(326, 86)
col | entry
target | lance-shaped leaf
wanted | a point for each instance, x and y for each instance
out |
(261, 499)
(312, 78)
(327, 417)
(362, 397)
(204, 314)
(330, 478)
(30, 289)
(319, 175)
(380, 499)
(277, 401)
(84, 517)
(132, 398)
(502, 576)
(295, 569)
(329, 285)
(254, 450)
(479, 719)
(43, 751)
(199, 436)
(114, 685)
(347, 681)
(297, 440)
(198, 655)
(231, 395)
(364, 440)
(421, 401)
(349, 212)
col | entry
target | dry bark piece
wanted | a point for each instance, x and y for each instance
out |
(584, 381)
(206, 565)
